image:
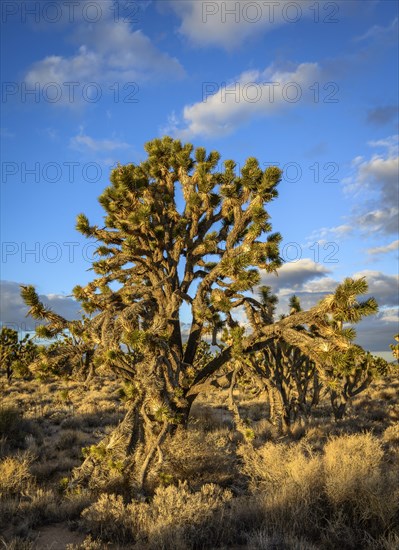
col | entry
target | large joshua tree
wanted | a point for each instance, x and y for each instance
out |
(181, 234)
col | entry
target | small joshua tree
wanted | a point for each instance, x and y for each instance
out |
(294, 380)
(72, 352)
(16, 355)
(395, 348)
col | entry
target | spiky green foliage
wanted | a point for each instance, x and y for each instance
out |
(72, 352)
(179, 232)
(16, 355)
(315, 356)
(395, 347)
(294, 304)
(353, 375)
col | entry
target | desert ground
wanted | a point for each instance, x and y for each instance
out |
(321, 485)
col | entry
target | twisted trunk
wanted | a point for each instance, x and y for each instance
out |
(338, 402)
(278, 413)
(130, 448)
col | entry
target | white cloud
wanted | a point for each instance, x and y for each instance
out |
(13, 310)
(109, 52)
(390, 143)
(310, 282)
(384, 221)
(379, 174)
(376, 333)
(383, 287)
(389, 315)
(229, 23)
(329, 234)
(82, 142)
(373, 183)
(253, 93)
(172, 125)
(378, 32)
(293, 275)
(394, 245)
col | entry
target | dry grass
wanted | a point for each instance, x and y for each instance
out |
(15, 476)
(175, 519)
(325, 485)
(343, 497)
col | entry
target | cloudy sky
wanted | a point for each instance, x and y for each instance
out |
(309, 86)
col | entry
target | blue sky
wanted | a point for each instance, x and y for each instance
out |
(309, 86)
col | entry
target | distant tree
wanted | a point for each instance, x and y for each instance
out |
(353, 375)
(8, 349)
(72, 352)
(294, 380)
(395, 347)
(178, 231)
(16, 355)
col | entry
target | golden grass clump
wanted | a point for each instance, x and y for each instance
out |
(108, 518)
(356, 477)
(199, 457)
(352, 464)
(289, 481)
(173, 519)
(15, 475)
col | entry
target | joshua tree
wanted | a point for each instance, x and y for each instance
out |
(16, 355)
(73, 350)
(294, 381)
(355, 373)
(8, 349)
(180, 234)
(395, 347)
(289, 375)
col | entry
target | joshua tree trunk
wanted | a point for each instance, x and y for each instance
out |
(88, 367)
(9, 372)
(131, 447)
(338, 403)
(278, 414)
(152, 414)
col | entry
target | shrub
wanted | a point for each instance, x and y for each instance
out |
(200, 457)
(108, 518)
(289, 479)
(10, 421)
(175, 519)
(391, 435)
(18, 544)
(15, 476)
(14, 428)
(178, 519)
(357, 482)
(40, 508)
(88, 544)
